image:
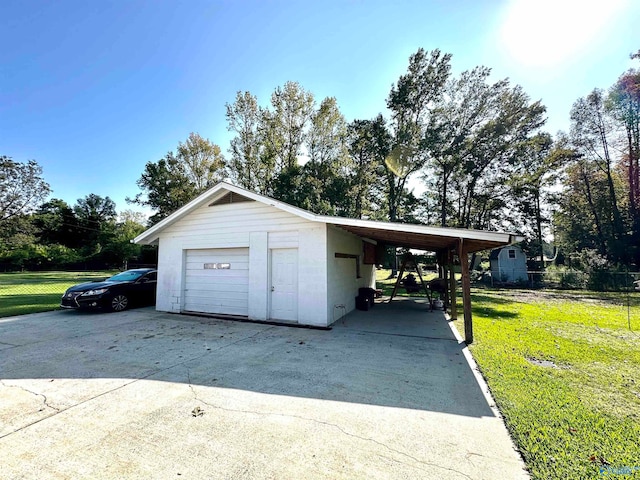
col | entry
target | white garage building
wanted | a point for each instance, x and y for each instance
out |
(234, 252)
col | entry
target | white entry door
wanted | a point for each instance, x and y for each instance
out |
(284, 284)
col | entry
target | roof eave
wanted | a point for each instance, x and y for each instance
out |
(482, 239)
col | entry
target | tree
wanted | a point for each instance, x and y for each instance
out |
(248, 167)
(132, 216)
(582, 207)
(624, 106)
(284, 130)
(17, 236)
(475, 139)
(164, 187)
(591, 131)
(285, 126)
(119, 249)
(291, 150)
(201, 162)
(467, 105)
(269, 141)
(57, 224)
(494, 151)
(96, 217)
(369, 143)
(325, 175)
(599, 208)
(326, 138)
(411, 102)
(22, 187)
(531, 185)
(174, 180)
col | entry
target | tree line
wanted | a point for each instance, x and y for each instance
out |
(37, 233)
(450, 150)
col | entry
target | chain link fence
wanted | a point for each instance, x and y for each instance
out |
(28, 292)
(597, 281)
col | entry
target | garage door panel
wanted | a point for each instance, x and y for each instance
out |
(217, 310)
(230, 293)
(195, 280)
(228, 302)
(217, 290)
(226, 252)
(231, 306)
(228, 288)
(215, 274)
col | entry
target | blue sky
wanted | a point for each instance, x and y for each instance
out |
(93, 90)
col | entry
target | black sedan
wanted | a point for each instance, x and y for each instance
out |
(132, 287)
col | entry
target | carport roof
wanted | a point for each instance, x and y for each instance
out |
(391, 233)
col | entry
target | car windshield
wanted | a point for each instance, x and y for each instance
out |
(129, 276)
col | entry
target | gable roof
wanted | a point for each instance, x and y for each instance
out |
(392, 233)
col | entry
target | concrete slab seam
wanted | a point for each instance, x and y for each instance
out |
(328, 424)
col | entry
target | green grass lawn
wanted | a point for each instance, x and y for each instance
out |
(564, 369)
(32, 292)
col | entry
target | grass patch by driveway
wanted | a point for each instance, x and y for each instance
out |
(31, 292)
(564, 369)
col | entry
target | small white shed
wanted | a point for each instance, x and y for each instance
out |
(508, 264)
(238, 253)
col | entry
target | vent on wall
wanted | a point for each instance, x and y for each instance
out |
(230, 197)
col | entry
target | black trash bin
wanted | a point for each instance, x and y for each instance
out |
(362, 302)
(370, 293)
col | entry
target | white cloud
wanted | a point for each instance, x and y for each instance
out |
(547, 33)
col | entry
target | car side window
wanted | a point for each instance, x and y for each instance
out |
(149, 277)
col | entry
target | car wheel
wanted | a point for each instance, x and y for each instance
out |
(119, 302)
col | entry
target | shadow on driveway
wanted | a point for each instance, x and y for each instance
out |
(396, 355)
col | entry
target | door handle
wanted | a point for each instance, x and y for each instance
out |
(273, 288)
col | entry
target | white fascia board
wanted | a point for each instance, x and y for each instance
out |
(423, 229)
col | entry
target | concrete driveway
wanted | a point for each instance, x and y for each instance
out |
(141, 394)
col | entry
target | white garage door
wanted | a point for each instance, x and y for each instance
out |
(217, 281)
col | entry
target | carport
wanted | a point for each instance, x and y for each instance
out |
(449, 244)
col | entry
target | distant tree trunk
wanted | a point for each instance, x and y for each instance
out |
(539, 229)
(594, 212)
(443, 211)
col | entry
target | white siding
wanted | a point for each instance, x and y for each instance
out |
(258, 276)
(343, 283)
(170, 275)
(229, 226)
(284, 239)
(312, 276)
